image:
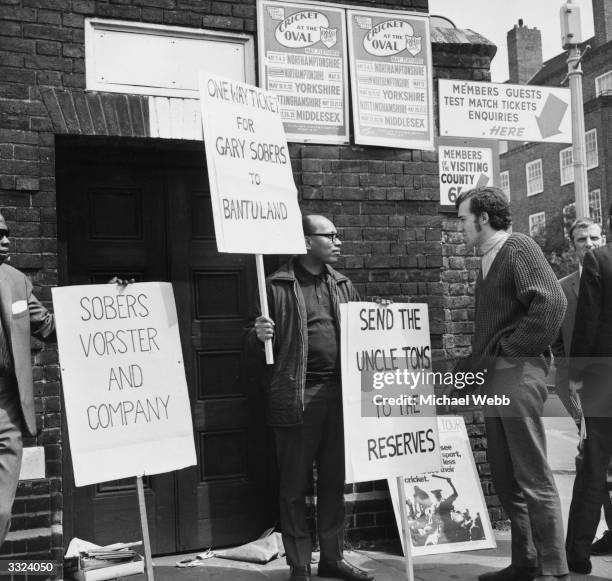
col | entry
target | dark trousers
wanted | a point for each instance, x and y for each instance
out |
(523, 480)
(11, 448)
(590, 488)
(319, 439)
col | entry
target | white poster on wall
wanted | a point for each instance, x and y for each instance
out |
(463, 168)
(504, 111)
(302, 60)
(254, 198)
(391, 80)
(123, 376)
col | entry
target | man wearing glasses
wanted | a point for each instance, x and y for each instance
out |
(304, 404)
(21, 315)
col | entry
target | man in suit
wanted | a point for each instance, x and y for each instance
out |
(21, 315)
(590, 367)
(585, 234)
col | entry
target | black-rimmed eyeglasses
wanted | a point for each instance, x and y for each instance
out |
(332, 237)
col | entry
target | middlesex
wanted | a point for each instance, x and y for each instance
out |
(430, 399)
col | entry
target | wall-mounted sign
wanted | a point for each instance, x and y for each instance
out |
(390, 63)
(502, 111)
(302, 60)
(463, 168)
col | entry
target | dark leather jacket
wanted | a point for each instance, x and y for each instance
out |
(286, 378)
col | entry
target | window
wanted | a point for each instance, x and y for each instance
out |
(504, 183)
(592, 157)
(603, 84)
(566, 157)
(595, 206)
(535, 183)
(537, 223)
(569, 215)
(503, 146)
(569, 211)
(566, 165)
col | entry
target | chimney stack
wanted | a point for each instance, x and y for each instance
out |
(525, 51)
(602, 15)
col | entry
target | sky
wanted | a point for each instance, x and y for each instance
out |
(493, 18)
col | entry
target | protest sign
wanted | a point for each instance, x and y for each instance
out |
(504, 111)
(446, 510)
(254, 199)
(390, 63)
(388, 427)
(123, 376)
(302, 61)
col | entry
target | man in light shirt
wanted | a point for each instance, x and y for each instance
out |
(519, 310)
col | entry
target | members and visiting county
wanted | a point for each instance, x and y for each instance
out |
(470, 399)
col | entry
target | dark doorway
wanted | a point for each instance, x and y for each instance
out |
(130, 209)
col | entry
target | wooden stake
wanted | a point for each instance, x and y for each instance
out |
(405, 530)
(263, 303)
(145, 529)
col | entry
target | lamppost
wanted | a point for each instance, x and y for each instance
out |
(571, 36)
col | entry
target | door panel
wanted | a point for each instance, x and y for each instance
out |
(229, 422)
(148, 214)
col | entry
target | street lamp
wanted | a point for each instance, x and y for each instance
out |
(571, 36)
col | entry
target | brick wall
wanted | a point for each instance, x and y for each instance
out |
(384, 201)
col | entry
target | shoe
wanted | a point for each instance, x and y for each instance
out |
(603, 546)
(300, 573)
(511, 573)
(579, 565)
(343, 570)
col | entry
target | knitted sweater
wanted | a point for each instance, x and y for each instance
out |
(519, 305)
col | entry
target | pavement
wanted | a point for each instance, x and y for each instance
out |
(390, 566)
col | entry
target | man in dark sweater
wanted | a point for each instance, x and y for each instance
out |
(519, 310)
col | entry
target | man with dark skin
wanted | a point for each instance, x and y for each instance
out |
(304, 404)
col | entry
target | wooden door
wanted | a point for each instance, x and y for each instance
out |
(231, 481)
(148, 214)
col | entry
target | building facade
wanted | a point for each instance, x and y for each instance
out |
(538, 177)
(96, 181)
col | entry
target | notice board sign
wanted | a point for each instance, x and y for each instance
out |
(389, 428)
(446, 510)
(254, 198)
(302, 60)
(123, 376)
(504, 111)
(390, 63)
(464, 164)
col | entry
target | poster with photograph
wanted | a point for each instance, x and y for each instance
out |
(389, 425)
(446, 509)
(391, 80)
(302, 60)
